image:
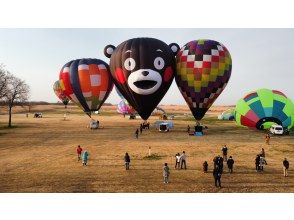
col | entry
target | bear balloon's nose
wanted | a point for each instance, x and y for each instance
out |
(145, 73)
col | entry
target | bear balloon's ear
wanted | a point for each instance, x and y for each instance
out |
(174, 47)
(108, 50)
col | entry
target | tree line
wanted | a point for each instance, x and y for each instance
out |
(13, 91)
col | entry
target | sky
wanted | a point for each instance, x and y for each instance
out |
(262, 58)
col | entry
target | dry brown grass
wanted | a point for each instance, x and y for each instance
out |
(39, 155)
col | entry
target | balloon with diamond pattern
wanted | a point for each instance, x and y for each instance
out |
(203, 71)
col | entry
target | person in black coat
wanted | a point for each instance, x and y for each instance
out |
(221, 164)
(217, 176)
(205, 167)
(230, 164)
(127, 161)
(225, 152)
(257, 162)
(286, 167)
(137, 133)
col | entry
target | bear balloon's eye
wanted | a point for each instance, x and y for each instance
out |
(129, 64)
(158, 63)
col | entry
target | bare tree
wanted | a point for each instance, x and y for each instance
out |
(4, 75)
(17, 91)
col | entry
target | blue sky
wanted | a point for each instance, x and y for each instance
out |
(262, 58)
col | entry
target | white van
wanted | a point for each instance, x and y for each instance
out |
(277, 129)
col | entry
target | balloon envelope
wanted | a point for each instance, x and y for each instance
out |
(59, 92)
(125, 108)
(203, 71)
(86, 82)
(261, 108)
(142, 69)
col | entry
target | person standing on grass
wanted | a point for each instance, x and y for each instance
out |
(205, 167)
(215, 161)
(286, 167)
(230, 164)
(221, 164)
(85, 158)
(79, 152)
(183, 160)
(267, 139)
(137, 133)
(127, 161)
(225, 152)
(217, 176)
(178, 160)
(262, 162)
(257, 162)
(166, 173)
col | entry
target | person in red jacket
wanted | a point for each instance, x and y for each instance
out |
(79, 152)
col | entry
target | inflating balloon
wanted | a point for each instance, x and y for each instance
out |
(86, 82)
(142, 69)
(124, 108)
(262, 108)
(59, 93)
(203, 71)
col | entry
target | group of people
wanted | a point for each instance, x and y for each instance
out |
(218, 163)
(260, 161)
(82, 155)
(144, 125)
(181, 161)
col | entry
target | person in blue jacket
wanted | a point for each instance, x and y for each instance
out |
(85, 158)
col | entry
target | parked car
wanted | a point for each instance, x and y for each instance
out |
(277, 129)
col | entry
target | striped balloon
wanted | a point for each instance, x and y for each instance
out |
(86, 82)
(261, 108)
(59, 93)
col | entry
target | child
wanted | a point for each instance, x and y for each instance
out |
(85, 158)
(205, 167)
(79, 152)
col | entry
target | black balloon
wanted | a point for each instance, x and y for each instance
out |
(142, 70)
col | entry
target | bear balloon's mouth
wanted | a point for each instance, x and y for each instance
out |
(145, 84)
(145, 81)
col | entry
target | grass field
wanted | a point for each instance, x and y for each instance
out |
(39, 154)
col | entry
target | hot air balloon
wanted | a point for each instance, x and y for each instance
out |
(86, 82)
(203, 71)
(142, 69)
(264, 107)
(124, 108)
(59, 93)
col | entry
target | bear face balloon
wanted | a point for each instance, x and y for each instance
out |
(142, 70)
